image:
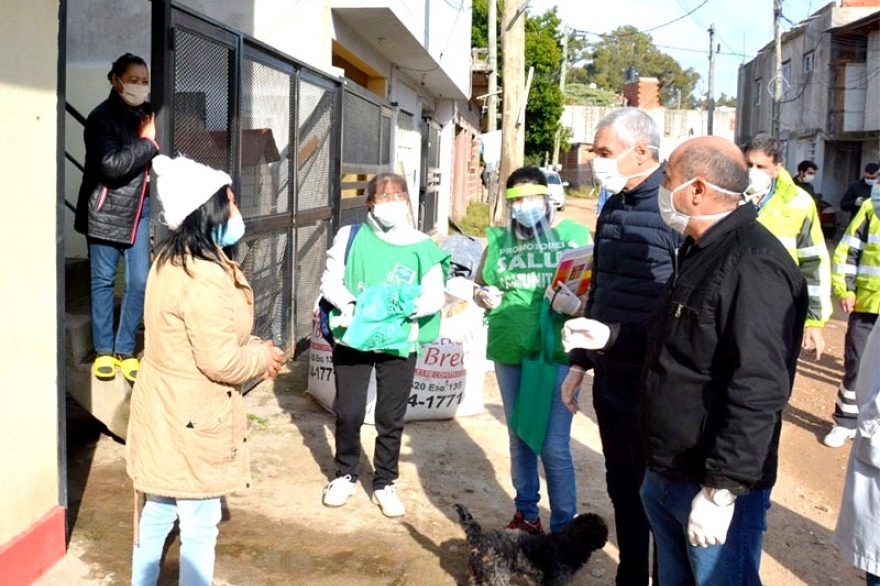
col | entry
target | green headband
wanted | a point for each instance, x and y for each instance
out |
(526, 189)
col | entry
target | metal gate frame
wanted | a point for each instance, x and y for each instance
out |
(304, 228)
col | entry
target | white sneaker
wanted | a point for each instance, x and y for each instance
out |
(338, 491)
(837, 436)
(389, 502)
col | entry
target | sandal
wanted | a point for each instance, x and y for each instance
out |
(129, 365)
(104, 367)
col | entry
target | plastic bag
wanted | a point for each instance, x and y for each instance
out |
(381, 319)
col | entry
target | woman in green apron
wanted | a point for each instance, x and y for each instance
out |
(518, 266)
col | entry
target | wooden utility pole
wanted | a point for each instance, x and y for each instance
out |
(710, 97)
(562, 71)
(513, 136)
(777, 69)
(492, 98)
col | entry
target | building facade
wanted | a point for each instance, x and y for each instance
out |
(831, 93)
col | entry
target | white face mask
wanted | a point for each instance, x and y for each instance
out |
(759, 183)
(392, 214)
(606, 171)
(809, 177)
(134, 94)
(677, 220)
(872, 181)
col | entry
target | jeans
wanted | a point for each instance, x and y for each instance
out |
(555, 454)
(198, 536)
(616, 390)
(103, 260)
(735, 563)
(872, 580)
(394, 378)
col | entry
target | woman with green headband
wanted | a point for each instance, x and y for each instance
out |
(517, 267)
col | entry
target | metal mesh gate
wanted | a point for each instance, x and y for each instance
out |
(273, 125)
(317, 187)
(366, 148)
(202, 85)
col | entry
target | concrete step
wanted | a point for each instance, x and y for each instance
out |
(107, 401)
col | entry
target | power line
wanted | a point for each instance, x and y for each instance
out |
(682, 17)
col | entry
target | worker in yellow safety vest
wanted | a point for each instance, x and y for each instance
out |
(856, 282)
(790, 214)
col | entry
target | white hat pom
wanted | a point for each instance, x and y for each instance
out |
(183, 186)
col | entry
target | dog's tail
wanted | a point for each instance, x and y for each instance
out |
(471, 528)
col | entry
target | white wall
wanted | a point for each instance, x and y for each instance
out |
(28, 162)
(299, 29)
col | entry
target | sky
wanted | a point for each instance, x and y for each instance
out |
(742, 27)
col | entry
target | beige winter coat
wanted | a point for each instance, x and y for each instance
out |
(186, 433)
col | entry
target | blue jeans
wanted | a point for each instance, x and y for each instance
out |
(104, 259)
(198, 536)
(872, 579)
(735, 563)
(555, 455)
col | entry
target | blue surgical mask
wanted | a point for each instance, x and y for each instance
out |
(528, 214)
(230, 232)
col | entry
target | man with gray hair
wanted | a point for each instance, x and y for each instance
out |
(633, 258)
(720, 353)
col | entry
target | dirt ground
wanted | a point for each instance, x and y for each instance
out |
(278, 533)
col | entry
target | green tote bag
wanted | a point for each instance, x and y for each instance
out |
(531, 411)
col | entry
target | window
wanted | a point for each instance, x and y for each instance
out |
(786, 76)
(757, 96)
(809, 61)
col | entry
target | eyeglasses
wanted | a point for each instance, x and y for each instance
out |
(383, 197)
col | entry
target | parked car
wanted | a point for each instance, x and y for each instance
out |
(557, 189)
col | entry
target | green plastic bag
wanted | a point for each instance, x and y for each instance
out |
(531, 411)
(381, 319)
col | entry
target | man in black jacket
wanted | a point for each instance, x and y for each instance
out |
(722, 348)
(633, 258)
(860, 191)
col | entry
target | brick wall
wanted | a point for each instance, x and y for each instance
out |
(644, 93)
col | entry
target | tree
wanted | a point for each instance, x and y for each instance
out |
(543, 51)
(544, 108)
(614, 52)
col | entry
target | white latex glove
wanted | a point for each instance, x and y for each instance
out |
(570, 387)
(488, 297)
(708, 522)
(586, 333)
(564, 300)
(344, 319)
(859, 201)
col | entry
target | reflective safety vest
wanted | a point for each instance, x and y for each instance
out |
(857, 261)
(790, 214)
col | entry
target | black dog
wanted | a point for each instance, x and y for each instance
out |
(551, 559)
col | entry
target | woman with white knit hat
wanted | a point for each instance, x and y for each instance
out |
(187, 429)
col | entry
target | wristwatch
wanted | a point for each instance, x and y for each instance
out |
(720, 496)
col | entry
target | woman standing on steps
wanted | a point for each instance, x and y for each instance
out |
(113, 211)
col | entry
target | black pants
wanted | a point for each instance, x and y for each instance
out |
(616, 392)
(846, 408)
(394, 377)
